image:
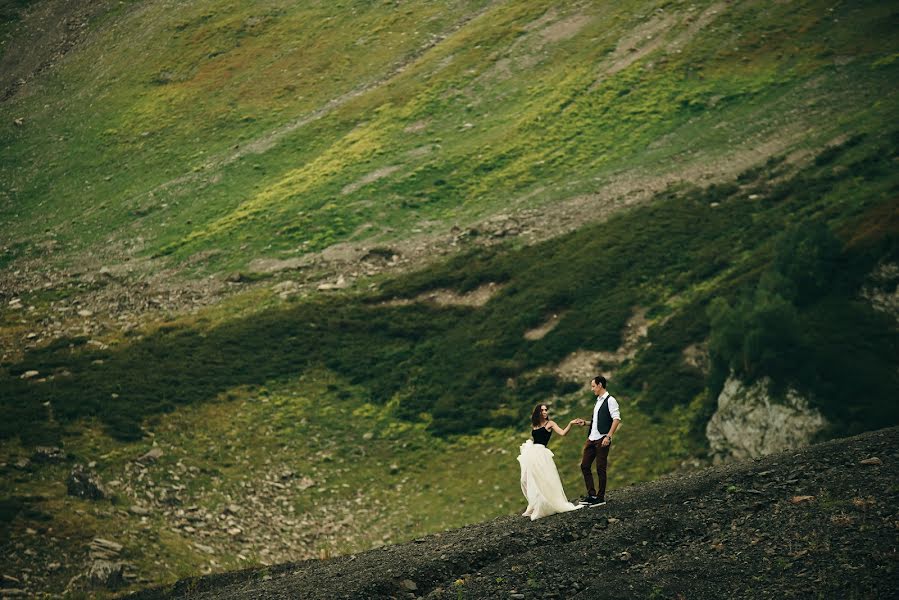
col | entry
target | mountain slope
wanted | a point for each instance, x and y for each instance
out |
(307, 251)
(820, 522)
(274, 130)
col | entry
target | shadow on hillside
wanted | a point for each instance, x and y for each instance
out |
(460, 363)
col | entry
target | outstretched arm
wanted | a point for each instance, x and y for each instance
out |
(555, 427)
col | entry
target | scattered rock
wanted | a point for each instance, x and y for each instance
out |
(151, 456)
(48, 454)
(340, 284)
(106, 574)
(801, 499)
(29, 374)
(871, 461)
(410, 585)
(84, 484)
(103, 549)
(204, 548)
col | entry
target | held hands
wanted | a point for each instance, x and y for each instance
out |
(578, 422)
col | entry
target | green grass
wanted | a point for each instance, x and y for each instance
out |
(153, 146)
(271, 130)
(398, 481)
(451, 366)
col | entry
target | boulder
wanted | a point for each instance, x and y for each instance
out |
(84, 484)
(749, 423)
(106, 574)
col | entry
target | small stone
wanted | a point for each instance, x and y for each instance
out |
(101, 543)
(410, 585)
(624, 556)
(150, 456)
(801, 499)
(85, 313)
(139, 510)
(871, 461)
(30, 374)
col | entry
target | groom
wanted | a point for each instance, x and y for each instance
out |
(606, 417)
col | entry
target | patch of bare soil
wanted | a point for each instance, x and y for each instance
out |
(539, 332)
(582, 365)
(476, 297)
(655, 34)
(817, 522)
(369, 178)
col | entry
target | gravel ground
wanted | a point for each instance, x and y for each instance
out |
(818, 522)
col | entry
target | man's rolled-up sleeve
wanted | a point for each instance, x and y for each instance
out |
(613, 408)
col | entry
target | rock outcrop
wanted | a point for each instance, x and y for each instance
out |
(749, 423)
(85, 484)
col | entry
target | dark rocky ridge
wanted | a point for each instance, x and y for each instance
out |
(818, 522)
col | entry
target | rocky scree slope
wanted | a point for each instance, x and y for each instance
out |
(819, 522)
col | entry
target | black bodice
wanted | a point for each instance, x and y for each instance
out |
(541, 435)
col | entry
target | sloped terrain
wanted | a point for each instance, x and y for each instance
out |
(272, 240)
(819, 522)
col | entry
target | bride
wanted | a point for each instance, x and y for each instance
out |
(540, 481)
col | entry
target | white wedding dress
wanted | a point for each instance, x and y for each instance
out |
(540, 482)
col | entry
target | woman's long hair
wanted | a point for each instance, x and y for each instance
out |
(536, 417)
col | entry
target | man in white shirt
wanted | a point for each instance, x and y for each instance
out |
(606, 417)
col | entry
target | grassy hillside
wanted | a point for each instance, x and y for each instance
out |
(272, 129)
(683, 179)
(460, 368)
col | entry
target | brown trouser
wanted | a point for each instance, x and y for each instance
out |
(595, 451)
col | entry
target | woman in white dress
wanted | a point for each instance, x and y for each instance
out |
(540, 480)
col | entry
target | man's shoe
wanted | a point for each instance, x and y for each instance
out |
(589, 500)
(599, 502)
